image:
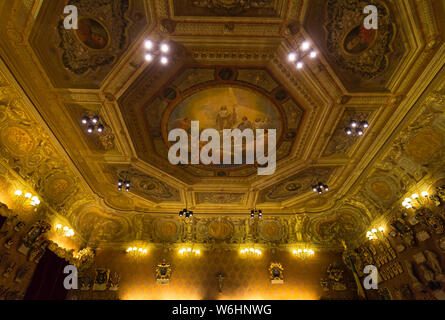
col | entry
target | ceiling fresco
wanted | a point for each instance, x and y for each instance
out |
(228, 69)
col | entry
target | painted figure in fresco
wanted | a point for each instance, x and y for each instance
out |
(226, 119)
(245, 124)
(359, 39)
(92, 34)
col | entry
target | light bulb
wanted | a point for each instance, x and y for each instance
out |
(360, 132)
(415, 196)
(189, 249)
(95, 119)
(145, 251)
(165, 48)
(148, 44)
(135, 249)
(313, 54)
(148, 57)
(348, 131)
(164, 60)
(374, 230)
(408, 200)
(299, 251)
(129, 249)
(100, 128)
(18, 192)
(292, 57)
(305, 45)
(381, 229)
(90, 129)
(58, 226)
(65, 228)
(85, 120)
(28, 195)
(299, 65)
(425, 194)
(353, 123)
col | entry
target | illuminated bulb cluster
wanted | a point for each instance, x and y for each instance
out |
(373, 234)
(34, 200)
(64, 231)
(303, 253)
(123, 183)
(186, 214)
(154, 49)
(302, 51)
(93, 124)
(259, 212)
(189, 251)
(251, 251)
(320, 188)
(356, 127)
(137, 251)
(408, 202)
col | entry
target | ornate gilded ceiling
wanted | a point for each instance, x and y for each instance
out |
(228, 54)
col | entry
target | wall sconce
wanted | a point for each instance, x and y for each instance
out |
(33, 200)
(137, 251)
(416, 199)
(303, 253)
(375, 234)
(251, 252)
(64, 231)
(189, 251)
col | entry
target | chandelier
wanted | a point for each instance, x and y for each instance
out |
(258, 212)
(251, 252)
(356, 128)
(376, 234)
(64, 231)
(300, 53)
(135, 251)
(303, 253)
(121, 183)
(93, 124)
(320, 188)
(189, 252)
(186, 213)
(33, 200)
(408, 202)
(155, 49)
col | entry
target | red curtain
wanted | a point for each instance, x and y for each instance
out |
(47, 281)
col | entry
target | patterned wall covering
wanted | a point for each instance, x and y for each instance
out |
(195, 278)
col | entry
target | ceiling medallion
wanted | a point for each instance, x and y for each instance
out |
(232, 6)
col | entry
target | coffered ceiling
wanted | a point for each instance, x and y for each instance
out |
(231, 53)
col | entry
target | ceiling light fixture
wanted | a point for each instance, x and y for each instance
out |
(33, 200)
(123, 183)
(186, 214)
(303, 253)
(93, 124)
(155, 49)
(356, 128)
(303, 50)
(258, 212)
(320, 188)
